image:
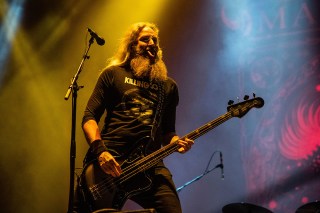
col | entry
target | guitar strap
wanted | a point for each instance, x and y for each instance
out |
(159, 109)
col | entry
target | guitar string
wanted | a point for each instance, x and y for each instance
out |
(198, 133)
(202, 130)
(193, 135)
(102, 186)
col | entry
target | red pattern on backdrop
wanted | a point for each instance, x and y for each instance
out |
(300, 135)
(281, 152)
(284, 159)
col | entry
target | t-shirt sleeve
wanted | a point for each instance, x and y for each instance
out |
(97, 102)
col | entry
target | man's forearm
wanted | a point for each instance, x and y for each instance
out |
(91, 131)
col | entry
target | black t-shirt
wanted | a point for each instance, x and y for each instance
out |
(131, 105)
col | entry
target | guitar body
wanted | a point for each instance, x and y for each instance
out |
(104, 191)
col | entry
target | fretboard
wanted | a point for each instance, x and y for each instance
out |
(153, 158)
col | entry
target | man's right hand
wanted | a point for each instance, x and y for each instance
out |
(109, 165)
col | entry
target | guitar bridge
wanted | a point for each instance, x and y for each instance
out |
(95, 192)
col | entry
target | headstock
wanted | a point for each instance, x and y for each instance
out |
(241, 108)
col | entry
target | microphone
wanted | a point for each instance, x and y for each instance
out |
(98, 39)
(221, 166)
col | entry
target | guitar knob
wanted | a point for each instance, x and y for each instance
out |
(246, 97)
(254, 95)
(230, 102)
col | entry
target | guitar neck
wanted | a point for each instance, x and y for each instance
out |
(152, 159)
(235, 110)
(208, 126)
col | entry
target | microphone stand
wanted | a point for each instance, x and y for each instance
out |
(197, 178)
(207, 170)
(74, 89)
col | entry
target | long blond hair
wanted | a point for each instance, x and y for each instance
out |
(126, 49)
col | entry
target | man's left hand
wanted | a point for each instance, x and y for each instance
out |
(184, 144)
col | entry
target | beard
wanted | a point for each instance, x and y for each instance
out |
(143, 67)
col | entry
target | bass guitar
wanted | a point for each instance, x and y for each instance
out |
(104, 191)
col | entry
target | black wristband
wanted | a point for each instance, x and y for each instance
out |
(97, 147)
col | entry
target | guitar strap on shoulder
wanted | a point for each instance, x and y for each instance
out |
(157, 116)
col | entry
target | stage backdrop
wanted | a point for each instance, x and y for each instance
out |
(216, 50)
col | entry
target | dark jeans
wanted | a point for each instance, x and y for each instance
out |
(162, 196)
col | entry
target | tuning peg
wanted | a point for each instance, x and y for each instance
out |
(246, 97)
(230, 102)
(254, 95)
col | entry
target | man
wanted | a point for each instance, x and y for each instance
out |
(140, 102)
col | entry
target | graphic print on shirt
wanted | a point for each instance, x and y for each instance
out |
(139, 104)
